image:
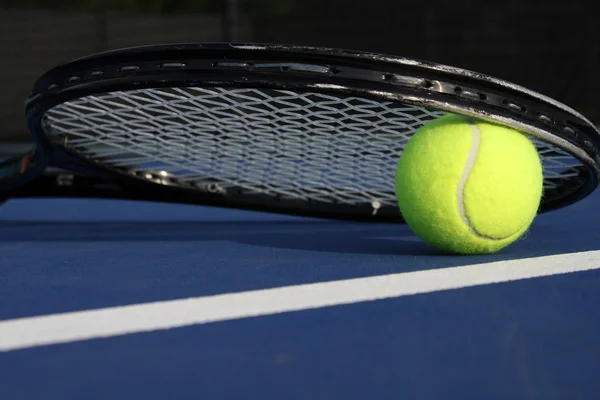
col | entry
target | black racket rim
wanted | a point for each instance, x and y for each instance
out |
(295, 68)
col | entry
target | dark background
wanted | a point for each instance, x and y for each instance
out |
(553, 48)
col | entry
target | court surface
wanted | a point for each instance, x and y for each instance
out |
(123, 300)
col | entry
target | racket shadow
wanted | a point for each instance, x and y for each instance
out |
(311, 235)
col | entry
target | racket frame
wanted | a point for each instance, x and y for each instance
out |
(51, 170)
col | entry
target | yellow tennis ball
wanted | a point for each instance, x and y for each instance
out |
(467, 186)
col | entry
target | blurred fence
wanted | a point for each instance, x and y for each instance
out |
(550, 47)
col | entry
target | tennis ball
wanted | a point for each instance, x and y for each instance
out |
(467, 186)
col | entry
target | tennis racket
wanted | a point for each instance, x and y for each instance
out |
(276, 128)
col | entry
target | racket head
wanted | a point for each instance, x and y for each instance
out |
(280, 108)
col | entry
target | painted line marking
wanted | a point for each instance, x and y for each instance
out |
(114, 321)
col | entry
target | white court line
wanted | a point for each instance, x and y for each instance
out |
(82, 325)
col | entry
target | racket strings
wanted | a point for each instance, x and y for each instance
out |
(295, 145)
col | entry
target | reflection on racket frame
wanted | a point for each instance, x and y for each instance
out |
(290, 129)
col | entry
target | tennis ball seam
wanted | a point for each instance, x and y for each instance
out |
(471, 159)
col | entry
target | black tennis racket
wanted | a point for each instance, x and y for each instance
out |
(289, 129)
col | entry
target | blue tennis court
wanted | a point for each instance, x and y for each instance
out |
(64, 260)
